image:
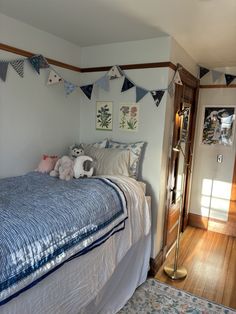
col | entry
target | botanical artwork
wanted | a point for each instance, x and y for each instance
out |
(104, 115)
(218, 125)
(129, 117)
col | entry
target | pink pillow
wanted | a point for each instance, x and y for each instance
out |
(47, 163)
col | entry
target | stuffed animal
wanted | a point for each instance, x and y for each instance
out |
(64, 168)
(79, 167)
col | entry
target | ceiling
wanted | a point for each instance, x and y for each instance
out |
(204, 28)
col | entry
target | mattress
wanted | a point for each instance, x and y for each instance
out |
(77, 285)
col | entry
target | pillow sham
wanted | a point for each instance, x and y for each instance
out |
(47, 164)
(110, 161)
(100, 144)
(135, 154)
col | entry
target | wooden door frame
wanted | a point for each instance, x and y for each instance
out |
(191, 81)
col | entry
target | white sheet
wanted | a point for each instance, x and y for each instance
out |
(102, 280)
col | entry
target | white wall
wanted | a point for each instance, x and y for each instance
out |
(34, 118)
(206, 170)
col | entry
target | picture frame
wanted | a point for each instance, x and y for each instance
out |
(129, 117)
(218, 125)
(104, 119)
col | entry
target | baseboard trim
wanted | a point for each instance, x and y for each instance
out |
(156, 263)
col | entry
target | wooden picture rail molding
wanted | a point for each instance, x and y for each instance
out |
(28, 54)
(218, 86)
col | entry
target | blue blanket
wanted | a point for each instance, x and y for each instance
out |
(45, 221)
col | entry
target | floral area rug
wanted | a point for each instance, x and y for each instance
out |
(156, 297)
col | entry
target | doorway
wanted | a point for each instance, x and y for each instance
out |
(179, 174)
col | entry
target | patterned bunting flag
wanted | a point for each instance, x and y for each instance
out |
(18, 66)
(3, 70)
(177, 79)
(140, 93)
(69, 87)
(126, 85)
(38, 62)
(157, 96)
(54, 78)
(171, 89)
(203, 71)
(216, 75)
(87, 90)
(229, 78)
(115, 72)
(103, 82)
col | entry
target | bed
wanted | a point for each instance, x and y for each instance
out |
(81, 246)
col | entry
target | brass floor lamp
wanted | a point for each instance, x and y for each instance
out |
(174, 271)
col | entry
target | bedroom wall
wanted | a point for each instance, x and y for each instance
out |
(155, 123)
(35, 118)
(206, 170)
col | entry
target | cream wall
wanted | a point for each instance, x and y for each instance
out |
(34, 118)
(211, 184)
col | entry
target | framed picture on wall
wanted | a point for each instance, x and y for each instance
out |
(218, 125)
(129, 117)
(104, 115)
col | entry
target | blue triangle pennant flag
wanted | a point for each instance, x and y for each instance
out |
(87, 90)
(18, 66)
(215, 75)
(229, 78)
(126, 85)
(140, 93)
(203, 71)
(103, 82)
(38, 62)
(69, 87)
(157, 96)
(3, 70)
(43, 62)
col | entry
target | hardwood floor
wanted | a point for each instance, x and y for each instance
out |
(210, 259)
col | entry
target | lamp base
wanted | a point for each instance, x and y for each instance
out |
(180, 273)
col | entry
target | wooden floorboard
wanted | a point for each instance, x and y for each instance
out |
(210, 259)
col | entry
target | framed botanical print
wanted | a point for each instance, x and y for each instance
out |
(129, 117)
(218, 125)
(104, 115)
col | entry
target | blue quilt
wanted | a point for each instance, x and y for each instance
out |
(45, 221)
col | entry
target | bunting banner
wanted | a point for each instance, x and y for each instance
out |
(216, 75)
(54, 78)
(140, 93)
(126, 85)
(171, 89)
(229, 78)
(69, 87)
(3, 70)
(157, 96)
(87, 90)
(115, 72)
(38, 62)
(103, 82)
(18, 66)
(202, 71)
(177, 79)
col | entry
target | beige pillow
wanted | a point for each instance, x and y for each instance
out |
(109, 161)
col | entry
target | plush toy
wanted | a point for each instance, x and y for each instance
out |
(79, 167)
(64, 168)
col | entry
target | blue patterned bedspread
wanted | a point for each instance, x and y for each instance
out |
(45, 221)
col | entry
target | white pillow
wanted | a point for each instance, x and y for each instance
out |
(109, 161)
(101, 144)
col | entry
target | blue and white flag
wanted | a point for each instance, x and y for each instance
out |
(140, 93)
(171, 89)
(115, 72)
(229, 78)
(38, 62)
(18, 66)
(103, 82)
(87, 90)
(215, 75)
(54, 78)
(126, 85)
(69, 87)
(3, 70)
(157, 96)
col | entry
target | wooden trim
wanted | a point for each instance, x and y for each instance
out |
(133, 67)
(28, 54)
(156, 263)
(232, 207)
(215, 225)
(218, 86)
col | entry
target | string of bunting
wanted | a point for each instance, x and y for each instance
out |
(216, 75)
(38, 62)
